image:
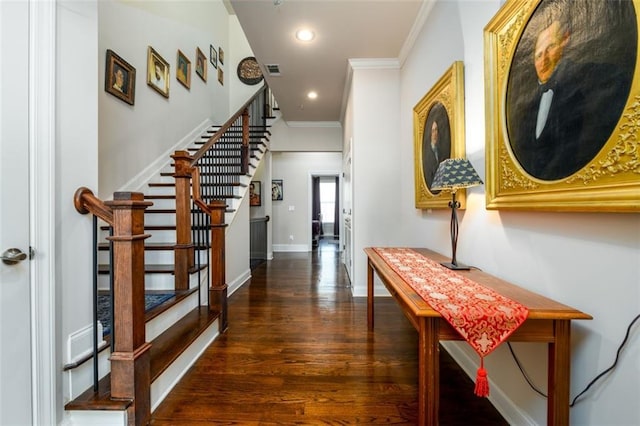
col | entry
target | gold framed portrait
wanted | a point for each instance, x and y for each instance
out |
(563, 106)
(157, 72)
(120, 78)
(201, 64)
(438, 134)
(183, 69)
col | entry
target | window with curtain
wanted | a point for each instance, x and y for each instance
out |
(327, 200)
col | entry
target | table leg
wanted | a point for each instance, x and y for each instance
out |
(559, 380)
(428, 371)
(369, 296)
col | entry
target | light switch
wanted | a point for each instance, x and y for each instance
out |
(292, 208)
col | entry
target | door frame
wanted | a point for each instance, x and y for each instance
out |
(42, 194)
(323, 173)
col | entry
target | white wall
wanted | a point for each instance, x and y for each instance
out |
(297, 151)
(237, 248)
(291, 227)
(590, 261)
(238, 50)
(133, 136)
(76, 165)
(297, 136)
(376, 168)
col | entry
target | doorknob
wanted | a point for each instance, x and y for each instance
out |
(13, 256)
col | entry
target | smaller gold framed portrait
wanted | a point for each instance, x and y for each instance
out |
(183, 70)
(157, 72)
(438, 134)
(120, 78)
(221, 76)
(201, 64)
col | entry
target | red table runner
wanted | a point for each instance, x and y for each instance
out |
(483, 317)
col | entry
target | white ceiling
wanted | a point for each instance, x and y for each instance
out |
(345, 29)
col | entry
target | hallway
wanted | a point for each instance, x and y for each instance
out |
(297, 351)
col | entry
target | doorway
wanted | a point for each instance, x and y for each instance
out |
(325, 210)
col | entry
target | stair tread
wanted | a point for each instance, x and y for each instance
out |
(164, 350)
(170, 344)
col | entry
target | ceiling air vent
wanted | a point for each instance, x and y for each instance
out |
(273, 69)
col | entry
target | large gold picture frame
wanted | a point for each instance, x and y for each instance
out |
(438, 116)
(593, 163)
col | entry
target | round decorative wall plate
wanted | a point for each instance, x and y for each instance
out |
(249, 71)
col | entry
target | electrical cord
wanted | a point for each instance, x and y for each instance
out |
(598, 377)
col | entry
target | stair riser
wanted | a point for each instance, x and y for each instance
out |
(153, 257)
(81, 378)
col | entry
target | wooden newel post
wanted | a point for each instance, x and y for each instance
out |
(218, 289)
(184, 256)
(245, 141)
(130, 367)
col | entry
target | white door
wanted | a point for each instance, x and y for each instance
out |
(15, 297)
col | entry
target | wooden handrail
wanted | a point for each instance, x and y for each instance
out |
(85, 202)
(213, 139)
(130, 359)
(189, 192)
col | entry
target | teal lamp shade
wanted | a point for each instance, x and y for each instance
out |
(454, 174)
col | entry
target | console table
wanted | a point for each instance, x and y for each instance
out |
(548, 321)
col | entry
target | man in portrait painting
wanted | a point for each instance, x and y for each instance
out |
(254, 195)
(119, 79)
(158, 75)
(200, 65)
(564, 94)
(436, 141)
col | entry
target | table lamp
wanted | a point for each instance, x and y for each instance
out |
(453, 174)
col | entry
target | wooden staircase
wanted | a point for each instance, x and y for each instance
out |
(180, 328)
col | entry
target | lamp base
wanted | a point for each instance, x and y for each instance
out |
(456, 266)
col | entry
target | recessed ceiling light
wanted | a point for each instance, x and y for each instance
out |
(312, 95)
(305, 35)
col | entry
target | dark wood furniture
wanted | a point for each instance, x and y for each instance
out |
(548, 321)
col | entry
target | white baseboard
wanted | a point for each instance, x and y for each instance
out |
(80, 343)
(161, 387)
(95, 418)
(291, 248)
(238, 282)
(505, 406)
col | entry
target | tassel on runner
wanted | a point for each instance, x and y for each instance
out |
(482, 382)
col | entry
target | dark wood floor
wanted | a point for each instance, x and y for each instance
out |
(297, 352)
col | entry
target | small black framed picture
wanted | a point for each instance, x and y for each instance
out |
(277, 194)
(213, 56)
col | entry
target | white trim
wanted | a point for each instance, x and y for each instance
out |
(290, 248)
(364, 63)
(323, 173)
(374, 64)
(238, 282)
(161, 387)
(331, 124)
(423, 13)
(42, 50)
